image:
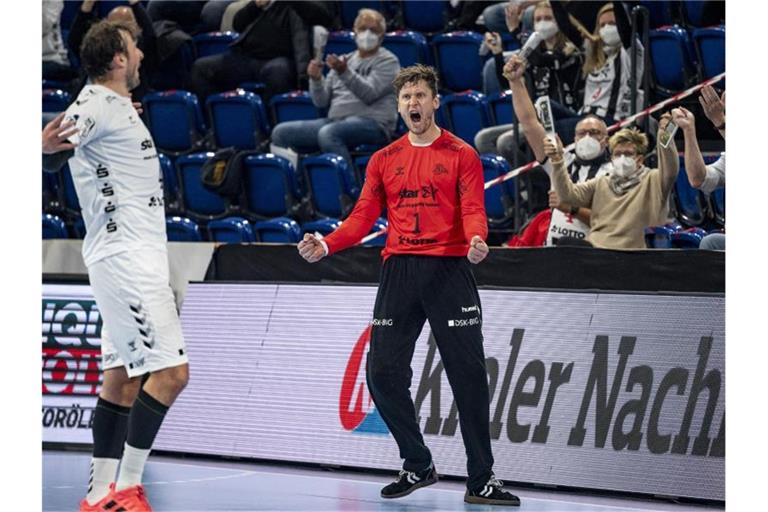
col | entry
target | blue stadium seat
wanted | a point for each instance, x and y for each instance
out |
(170, 181)
(500, 105)
(717, 202)
(182, 229)
(660, 237)
(349, 9)
(293, 106)
(54, 84)
(460, 66)
(424, 16)
(55, 100)
(687, 239)
(175, 120)
(196, 200)
(499, 199)
(278, 230)
(693, 12)
(331, 183)
(50, 199)
(671, 60)
(238, 119)
(340, 42)
(69, 199)
(381, 240)
(467, 114)
(271, 186)
(361, 163)
(53, 227)
(323, 226)
(254, 87)
(409, 47)
(710, 46)
(688, 200)
(213, 43)
(660, 12)
(232, 230)
(78, 228)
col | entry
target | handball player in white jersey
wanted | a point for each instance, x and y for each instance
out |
(118, 181)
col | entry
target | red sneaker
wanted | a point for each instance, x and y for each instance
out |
(130, 499)
(98, 506)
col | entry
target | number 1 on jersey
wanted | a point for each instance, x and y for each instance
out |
(416, 229)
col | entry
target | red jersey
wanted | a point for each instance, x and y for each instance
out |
(433, 194)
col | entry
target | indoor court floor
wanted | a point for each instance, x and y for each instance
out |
(182, 484)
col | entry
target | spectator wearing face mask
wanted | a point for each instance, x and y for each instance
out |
(628, 200)
(590, 161)
(607, 63)
(706, 178)
(553, 70)
(358, 89)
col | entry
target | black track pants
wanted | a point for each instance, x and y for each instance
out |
(442, 290)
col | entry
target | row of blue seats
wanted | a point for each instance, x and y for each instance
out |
(681, 58)
(272, 187)
(286, 230)
(226, 230)
(239, 118)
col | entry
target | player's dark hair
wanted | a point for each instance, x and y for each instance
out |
(100, 45)
(413, 74)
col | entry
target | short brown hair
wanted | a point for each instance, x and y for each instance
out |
(100, 45)
(415, 73)
(631, 135)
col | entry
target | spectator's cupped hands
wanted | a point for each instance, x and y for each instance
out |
(478, 250)
(714, 106)
(683, 118)
(311, 249)
(493, 41)
(553, 148)
(514, 68)
(315, 69)
(56, 133)
(336, 63)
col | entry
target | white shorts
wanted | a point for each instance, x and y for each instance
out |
(141, 329)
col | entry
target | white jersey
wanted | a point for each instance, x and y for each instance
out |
(565, 224)
(609, 95)
(116, 174)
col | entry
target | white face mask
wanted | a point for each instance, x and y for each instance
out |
(547, 28)
(367, 40)
(624, 166)
(588, 148)
(610, 35)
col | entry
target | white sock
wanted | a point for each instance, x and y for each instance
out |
(103, 472)
(131, 467)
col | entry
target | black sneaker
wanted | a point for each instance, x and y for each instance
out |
(492, 494)
(408, 481)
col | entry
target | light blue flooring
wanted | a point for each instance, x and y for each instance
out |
(175, 484)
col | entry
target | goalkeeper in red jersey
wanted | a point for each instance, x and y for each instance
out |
(431, 183)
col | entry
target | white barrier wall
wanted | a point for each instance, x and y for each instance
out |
(605, 391)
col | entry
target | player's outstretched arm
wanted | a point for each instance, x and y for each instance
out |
(311, 248)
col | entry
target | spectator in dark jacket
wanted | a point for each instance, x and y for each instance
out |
(273, 48)
(133, 16)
